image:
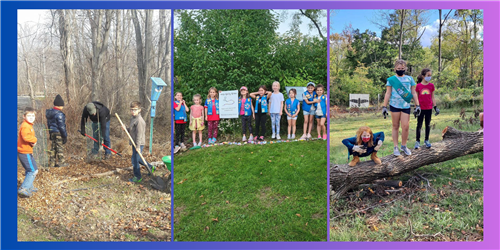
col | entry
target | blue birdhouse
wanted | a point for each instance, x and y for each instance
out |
(156, 89)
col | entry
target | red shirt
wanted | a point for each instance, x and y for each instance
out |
(424, 93)
(178, 121)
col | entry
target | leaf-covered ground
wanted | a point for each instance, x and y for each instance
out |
(447, 208)
(273, 192)
(107, 208)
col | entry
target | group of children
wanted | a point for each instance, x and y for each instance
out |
(401, 90)
(56, 123)
(266, 103)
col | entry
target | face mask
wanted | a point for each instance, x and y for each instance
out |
(427, 78)
(400, 72)
(366, 139)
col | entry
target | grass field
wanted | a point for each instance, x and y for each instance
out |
(273, 192)
(451, 209)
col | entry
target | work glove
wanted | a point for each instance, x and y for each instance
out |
(379, 144)
(437, 110)
(384, 112)
(65, 139)
(417, 111)
(358, 149)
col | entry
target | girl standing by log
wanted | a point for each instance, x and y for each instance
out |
(400, 92)
(425, 91)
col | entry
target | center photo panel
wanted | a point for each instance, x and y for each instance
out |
(250, 115)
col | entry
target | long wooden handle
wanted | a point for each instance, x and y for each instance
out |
(130, 137)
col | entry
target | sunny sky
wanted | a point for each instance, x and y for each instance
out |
(362, 20)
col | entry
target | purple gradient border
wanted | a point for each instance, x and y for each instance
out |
(491, 149)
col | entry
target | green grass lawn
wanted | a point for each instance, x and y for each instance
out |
(274, 192)
(450, 210)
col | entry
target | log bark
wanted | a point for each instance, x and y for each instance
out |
(455, 143)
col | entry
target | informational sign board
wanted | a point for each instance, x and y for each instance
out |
(228, 104)
(359, 100)
(300, 90)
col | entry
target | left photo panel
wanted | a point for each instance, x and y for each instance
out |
(94, 101)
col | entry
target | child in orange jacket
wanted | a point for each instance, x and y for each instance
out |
(25, 144)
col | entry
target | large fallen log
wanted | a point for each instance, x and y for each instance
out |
(455, 143)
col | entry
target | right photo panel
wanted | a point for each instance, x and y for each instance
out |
(406, 128)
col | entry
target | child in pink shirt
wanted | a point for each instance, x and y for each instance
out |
(425, 91)
(197, 122)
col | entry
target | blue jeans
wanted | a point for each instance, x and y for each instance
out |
(136, 160)
(275, 122)
(107, 142)
(29, 165)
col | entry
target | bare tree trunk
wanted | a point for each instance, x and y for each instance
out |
(100, 36)
(168, 66)
(30, 84)
(401, 34)
(140, 54)
(440, 37)
(65, 32)
(455, 143)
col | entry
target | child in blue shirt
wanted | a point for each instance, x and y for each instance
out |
(320, 104)
(292, 109)
(365, 143)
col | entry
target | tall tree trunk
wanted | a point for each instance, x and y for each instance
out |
(401, 34)
(455, 143)
(30, 84)
(100, 36)
(439, 46)
(65, 32)
(140, 54)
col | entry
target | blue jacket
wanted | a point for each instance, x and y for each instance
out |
(56, 122)
(350, 142)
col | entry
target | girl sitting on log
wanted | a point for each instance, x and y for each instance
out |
(365, 143)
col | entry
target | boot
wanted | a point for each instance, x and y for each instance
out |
(375, 158)
(354, 161)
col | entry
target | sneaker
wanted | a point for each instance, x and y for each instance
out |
(324, 137)
(405, 150)
(293, 136)
(427, 144)
(135, 179)
(183, 146)
(278, 137)
(309, 136)
(214, 140)
(176, 149)
(289, 136)
(33, 190)
(319, 137)
(209, 140)
(261, 138)
(244, 138)
(273, 136)
(107, 156)
(303, 137)
(396, 151)
(251, 138)
(25, 193)
(417, 145)
(153, 168)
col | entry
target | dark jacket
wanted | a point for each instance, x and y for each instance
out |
(102, 112)
(56, 121)
(350, 142)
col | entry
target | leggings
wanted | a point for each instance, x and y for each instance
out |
(213, 128)
(246, 121)
(427, 115)
(260, 124)
(180, 130)
(275, 122)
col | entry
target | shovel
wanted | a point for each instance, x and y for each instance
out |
(156, 181)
